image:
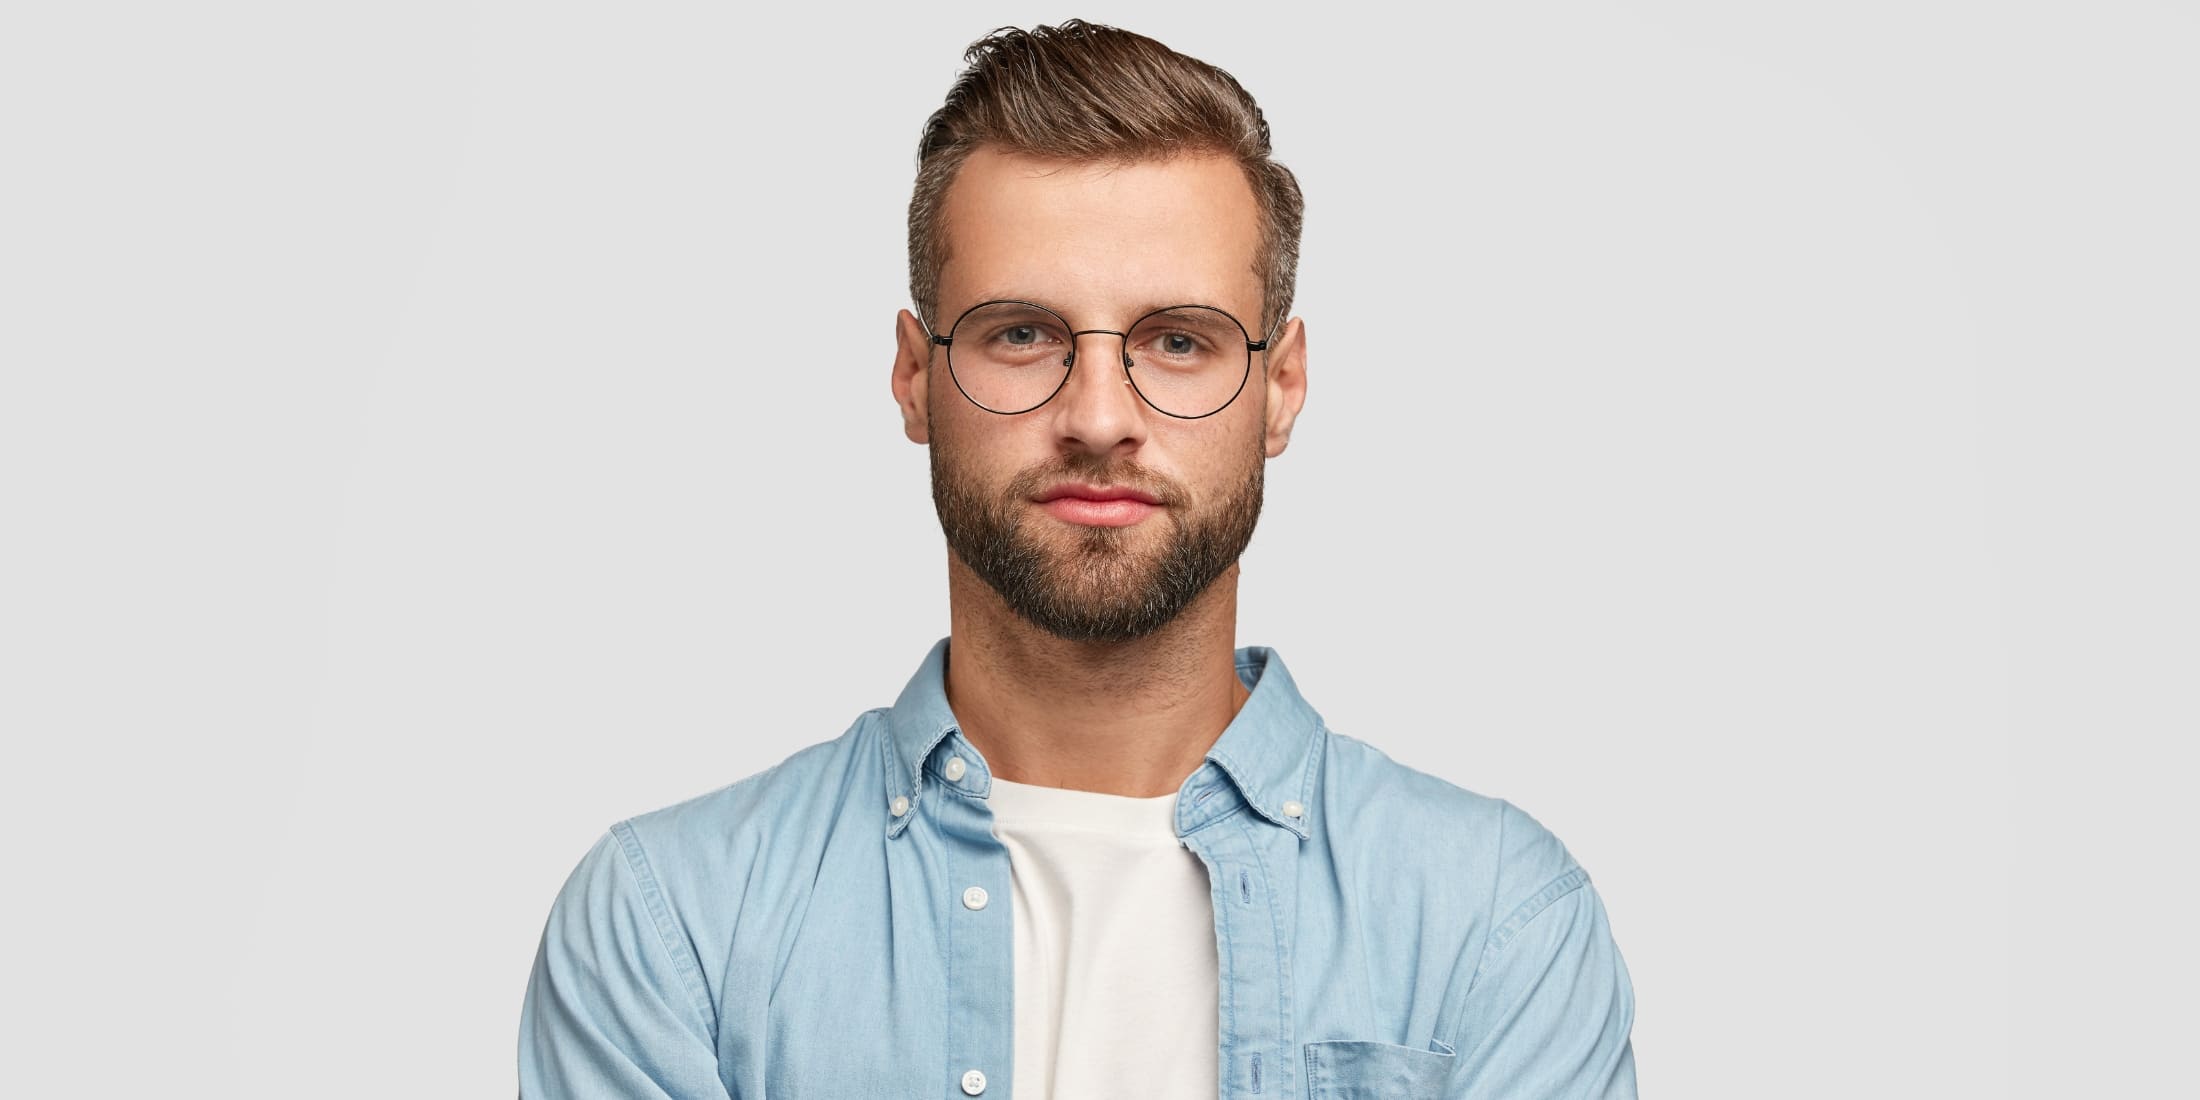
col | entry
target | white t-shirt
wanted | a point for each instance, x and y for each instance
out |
(1116, 974)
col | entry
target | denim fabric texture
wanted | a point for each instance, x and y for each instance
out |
(802, 934)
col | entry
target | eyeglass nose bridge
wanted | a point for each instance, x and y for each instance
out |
(1070, 360)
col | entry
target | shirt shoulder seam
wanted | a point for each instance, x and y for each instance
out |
(660, 917)
(1527, 911)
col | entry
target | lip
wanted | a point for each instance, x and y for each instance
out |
(1097, 505)
(1078, 490)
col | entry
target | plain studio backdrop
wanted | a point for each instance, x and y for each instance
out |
(1758, 443)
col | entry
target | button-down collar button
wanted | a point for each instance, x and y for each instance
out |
(1293, 809)
(954, 768)
(974, 898)
(973, 1082)
(901, 805)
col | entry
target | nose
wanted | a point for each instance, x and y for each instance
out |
(1098, 410)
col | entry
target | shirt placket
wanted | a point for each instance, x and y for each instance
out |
(1246, 859)
(975, 912)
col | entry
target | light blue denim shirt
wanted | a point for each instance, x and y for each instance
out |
(803, 933)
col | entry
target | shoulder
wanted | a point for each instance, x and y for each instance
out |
(1457, 836)
(694, 863)
(795, 795)
(654, 902)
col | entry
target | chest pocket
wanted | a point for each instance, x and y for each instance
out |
(1364, 1069)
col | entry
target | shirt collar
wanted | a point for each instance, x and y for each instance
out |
(1268, 750)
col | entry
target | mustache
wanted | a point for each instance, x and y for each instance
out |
(1099, 471)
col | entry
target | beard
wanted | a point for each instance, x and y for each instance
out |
(1093, 584)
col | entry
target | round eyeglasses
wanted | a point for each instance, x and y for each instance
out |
(1186, 361)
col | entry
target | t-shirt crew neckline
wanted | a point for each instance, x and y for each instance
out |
(1028, 804)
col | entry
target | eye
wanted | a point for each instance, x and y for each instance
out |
(1177, 345)
(1186, 337)
(1020, 335)
(1170, 342)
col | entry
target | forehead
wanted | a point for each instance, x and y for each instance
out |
(1100, 239)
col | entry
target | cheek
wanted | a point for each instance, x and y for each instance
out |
(1211, 457)
(978, 451)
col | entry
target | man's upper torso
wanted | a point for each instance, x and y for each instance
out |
(834, 927)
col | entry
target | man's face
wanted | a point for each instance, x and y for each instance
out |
(1100, 245)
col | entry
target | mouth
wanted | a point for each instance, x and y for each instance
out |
(1098, 505)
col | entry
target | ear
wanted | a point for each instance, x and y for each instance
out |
(1286, 381)
(912, 373)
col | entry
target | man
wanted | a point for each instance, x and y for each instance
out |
(1093, 849)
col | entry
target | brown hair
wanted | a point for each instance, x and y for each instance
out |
(1082, 91)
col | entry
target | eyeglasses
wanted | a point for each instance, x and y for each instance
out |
(1185, 361)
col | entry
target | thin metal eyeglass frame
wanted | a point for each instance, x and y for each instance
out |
(1069, 363)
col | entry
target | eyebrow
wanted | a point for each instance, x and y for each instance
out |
(1140, 310)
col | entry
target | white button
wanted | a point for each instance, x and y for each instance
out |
(973, 1082)
(1293, 809)
(974, 898)
(954, 767)
(901, 805)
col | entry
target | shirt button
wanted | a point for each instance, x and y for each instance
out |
(954, 768)
(974, 898)
(973, 1082)
(900, 806)
(1293, 809)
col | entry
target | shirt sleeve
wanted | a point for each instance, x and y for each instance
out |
(1550, 1009)
(615, 1005)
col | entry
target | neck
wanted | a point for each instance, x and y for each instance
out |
(1130, 718)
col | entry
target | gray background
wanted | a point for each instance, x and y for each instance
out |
(1759, 443)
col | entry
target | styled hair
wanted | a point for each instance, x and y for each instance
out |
(1085, 92)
